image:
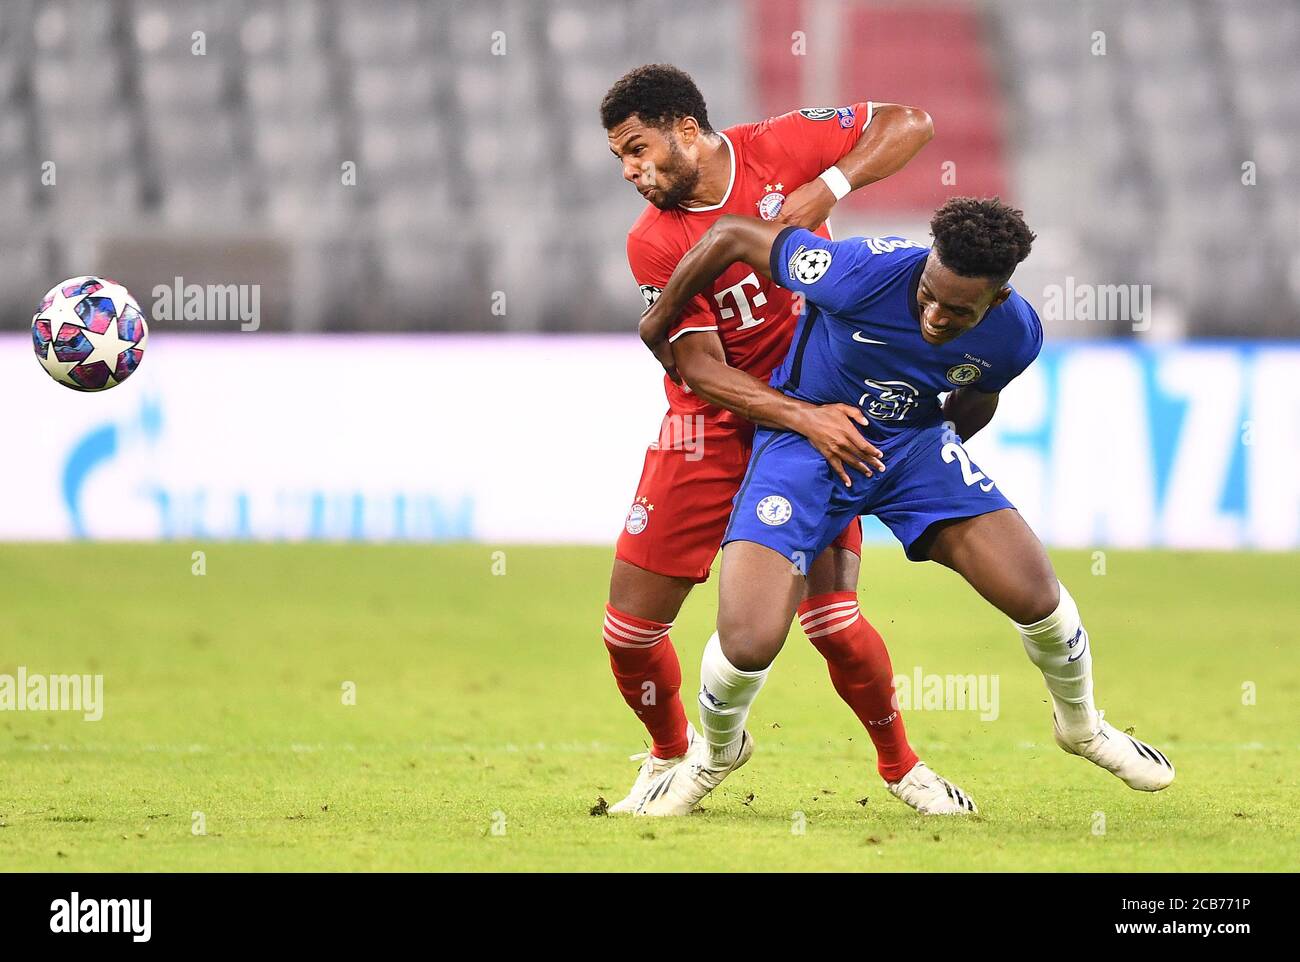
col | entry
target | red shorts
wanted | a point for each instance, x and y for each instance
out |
(683, 501)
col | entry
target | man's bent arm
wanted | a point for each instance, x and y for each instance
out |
(731, 238)
(895, 135)
(703, 365)
(831, 428)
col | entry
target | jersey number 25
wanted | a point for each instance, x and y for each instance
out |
(970, 474)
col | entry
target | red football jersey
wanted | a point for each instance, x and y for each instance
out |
(753, 316)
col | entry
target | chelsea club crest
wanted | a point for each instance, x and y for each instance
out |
(962, 374)
(774, 510)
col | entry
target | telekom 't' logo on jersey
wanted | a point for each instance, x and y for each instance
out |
(743, 303)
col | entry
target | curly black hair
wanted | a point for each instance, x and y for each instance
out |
(658, 93)
(980, 238)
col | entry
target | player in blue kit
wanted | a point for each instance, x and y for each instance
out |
(889, 327)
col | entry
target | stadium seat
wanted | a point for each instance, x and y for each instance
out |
(1112, 155)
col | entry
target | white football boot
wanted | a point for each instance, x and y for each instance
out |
(1139, 765)
(681, 788)
(931, 794)
(651, 768)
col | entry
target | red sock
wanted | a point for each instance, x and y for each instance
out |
(862, 674)
(649, 675)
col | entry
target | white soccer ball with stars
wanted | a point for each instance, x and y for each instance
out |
(89, 333)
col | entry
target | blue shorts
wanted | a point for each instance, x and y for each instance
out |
(791, 500)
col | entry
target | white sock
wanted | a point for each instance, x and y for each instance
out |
(1059, 646)
(726, 693)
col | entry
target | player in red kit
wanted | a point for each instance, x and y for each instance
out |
(791, 169)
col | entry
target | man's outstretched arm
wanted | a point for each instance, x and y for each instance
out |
(830, 428)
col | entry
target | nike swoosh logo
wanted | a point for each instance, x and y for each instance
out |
(1076, 657)
(857, 336)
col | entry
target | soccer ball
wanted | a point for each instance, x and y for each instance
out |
(89, 333)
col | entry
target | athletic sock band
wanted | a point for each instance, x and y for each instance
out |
(649, 677)
(1058, 645)
(726, 693)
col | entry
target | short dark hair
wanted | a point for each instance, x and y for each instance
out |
(980, 238)
(658, 93)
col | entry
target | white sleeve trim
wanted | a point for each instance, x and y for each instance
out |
(691, 330)
(871, 111)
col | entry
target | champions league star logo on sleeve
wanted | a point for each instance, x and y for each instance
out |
(807, 265)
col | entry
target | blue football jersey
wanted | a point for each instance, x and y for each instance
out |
(859, 339)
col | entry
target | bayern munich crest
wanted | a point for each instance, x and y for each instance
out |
(638, 516)
(770, 206)
(774, 510)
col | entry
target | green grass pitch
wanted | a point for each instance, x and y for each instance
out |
(486, 724)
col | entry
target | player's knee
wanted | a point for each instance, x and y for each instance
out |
(644, 594)
(747, 645)
(1038, 597)
(842, 651)
(750, 658)
(835, 569)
